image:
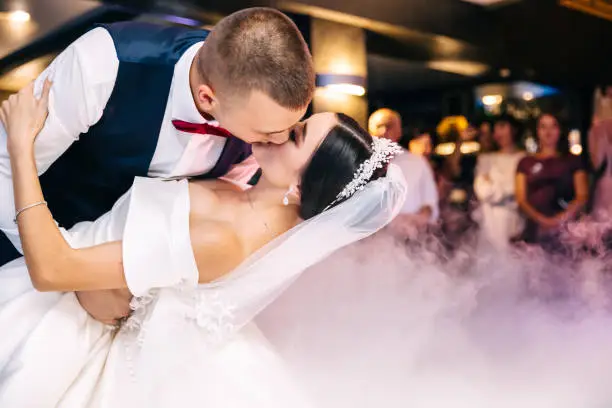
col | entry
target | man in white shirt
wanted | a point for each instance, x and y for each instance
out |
(421, 206)
(134, 99)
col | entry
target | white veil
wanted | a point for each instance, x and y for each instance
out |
(189, 321)
(261, 279)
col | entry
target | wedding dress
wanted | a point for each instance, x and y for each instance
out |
(498, 213)
(185, 344)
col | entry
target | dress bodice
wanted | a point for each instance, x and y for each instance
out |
(107, 228)
(152, 220)
(495, 174)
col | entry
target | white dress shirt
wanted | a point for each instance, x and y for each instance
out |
(83, 78)
(422, 189)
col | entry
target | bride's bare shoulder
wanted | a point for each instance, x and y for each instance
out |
(202, 191)
(216, 244)
(217, 247)
(206, 196)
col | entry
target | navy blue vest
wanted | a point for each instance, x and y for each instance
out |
(96, 170)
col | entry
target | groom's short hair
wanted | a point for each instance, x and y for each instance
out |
(259, 49)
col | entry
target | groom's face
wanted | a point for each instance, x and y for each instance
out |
(257, 118)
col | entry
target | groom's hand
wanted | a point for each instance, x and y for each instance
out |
(106, 306)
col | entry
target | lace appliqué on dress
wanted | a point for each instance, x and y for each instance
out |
(205, 308)
(212, 314)
(136, 321)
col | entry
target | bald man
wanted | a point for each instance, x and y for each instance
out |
(421, 206)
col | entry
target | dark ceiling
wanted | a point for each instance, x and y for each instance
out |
(536, 39)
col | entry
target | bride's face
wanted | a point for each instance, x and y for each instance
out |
(283, 164)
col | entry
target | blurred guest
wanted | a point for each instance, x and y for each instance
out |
(551, 185)
(602, 106)
(421, 206)
(485, 137)
(494, 186)
(461, 162)
(422, 144)
(600, 146)
(455, 181)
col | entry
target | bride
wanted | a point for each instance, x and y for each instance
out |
(201, 258)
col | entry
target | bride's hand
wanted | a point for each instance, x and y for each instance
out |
(23, 116)
(106, 306)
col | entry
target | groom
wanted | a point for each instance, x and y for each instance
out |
(134, 99)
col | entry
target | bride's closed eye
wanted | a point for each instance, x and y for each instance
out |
(297, 134)
(292, 135)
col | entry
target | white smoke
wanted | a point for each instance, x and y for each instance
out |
(378, 325)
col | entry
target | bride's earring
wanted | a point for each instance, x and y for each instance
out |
(286, 197)
(287, 194)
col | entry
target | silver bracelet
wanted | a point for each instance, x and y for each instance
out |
(27, 207)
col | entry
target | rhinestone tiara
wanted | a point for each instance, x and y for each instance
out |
(383, 150)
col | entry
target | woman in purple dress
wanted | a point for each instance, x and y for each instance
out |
(551, 186)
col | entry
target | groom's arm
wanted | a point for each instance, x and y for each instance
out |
(83, 78)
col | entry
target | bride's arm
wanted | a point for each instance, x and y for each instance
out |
(52, 263)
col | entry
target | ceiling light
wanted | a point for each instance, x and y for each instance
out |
(528, 96)
(576, 150)
(346, 84)
(466, 68)
(490, 100)
(349, 89)
(504, 72)
(19, 16)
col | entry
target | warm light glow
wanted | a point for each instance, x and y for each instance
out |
(466, 68)
(445, 149)
(341, 67)
(574, 137)
(349, 89)
(330, 95)
(19, 16)
(470, 147)
(576, 150)
(449, 123)
(19, 77)
(504, 72)
(448, 148)
(490, 100)
(528, 96)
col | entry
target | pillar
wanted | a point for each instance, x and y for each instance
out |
(339, 54)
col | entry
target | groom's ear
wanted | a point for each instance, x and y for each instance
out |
(206, 98)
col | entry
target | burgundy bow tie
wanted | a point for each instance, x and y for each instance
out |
(200, 128)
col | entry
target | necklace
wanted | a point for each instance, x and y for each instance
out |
(248, 194)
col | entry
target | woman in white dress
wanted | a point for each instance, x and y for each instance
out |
(190, 340)
(500, 219)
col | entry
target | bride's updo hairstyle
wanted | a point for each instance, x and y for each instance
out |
(333, 166)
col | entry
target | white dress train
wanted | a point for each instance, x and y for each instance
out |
(53, 354)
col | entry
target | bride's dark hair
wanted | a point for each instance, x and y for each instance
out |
(333, 165)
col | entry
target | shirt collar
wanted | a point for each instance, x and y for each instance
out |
(183, 107)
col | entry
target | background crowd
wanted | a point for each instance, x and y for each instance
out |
(476, 182)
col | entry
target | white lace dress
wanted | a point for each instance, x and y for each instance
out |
(173, 351)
